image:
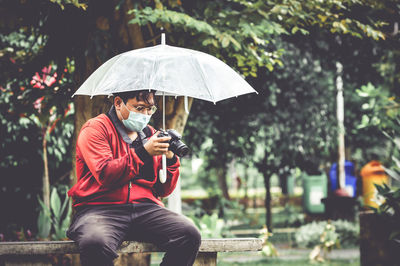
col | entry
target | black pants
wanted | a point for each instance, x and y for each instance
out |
(100, 230)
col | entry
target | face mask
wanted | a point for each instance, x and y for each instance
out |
(136, 121)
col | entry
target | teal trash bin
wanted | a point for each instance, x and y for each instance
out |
(315, 188)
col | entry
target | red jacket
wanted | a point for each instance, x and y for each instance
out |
(107, 168)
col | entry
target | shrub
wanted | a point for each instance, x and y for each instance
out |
(309, 235)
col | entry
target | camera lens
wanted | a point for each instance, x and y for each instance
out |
(179, 148)
(182, 150)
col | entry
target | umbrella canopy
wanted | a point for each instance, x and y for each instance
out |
(173, 70)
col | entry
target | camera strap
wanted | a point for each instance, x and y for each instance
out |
(143, 136)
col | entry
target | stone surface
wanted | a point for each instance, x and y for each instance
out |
(69, 247)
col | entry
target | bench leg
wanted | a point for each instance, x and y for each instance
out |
(206, 258)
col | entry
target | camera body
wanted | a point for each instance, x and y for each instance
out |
(175, 143)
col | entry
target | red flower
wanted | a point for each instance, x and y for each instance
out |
(66, 111)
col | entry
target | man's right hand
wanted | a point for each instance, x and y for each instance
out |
(157, 146)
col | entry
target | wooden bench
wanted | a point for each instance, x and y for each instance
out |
(30, 253)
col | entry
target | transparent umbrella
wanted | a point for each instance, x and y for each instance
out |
(169, 70)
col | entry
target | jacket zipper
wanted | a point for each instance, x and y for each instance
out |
(129, 191)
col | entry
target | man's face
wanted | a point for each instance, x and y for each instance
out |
(134, 105)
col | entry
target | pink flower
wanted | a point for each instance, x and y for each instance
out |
(37, 81)
(46, 79)
(28, 233)
(38, 104)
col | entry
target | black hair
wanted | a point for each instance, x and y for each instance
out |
(141, 95)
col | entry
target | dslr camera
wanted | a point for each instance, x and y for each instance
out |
(175, 143)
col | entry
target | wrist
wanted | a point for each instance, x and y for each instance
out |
(170, 155)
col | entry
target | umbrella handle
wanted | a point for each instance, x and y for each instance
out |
(163, 170)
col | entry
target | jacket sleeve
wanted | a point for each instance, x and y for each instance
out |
(96, 151)
(168, 187)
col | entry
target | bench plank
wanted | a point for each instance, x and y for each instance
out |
(70, 247)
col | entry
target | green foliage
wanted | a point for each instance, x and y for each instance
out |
(210, 226)
(244, 32)
(76, 3)
(309, 235)
(328, 240)
(290, 123)
(219, 26)
(58, 218)
(290, 216)
(383, 110)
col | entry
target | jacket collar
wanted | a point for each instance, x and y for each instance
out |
(112, 114)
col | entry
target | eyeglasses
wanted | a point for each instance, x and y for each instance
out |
(141, 109)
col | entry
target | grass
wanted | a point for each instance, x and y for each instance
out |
(286, 257)
(336, 262)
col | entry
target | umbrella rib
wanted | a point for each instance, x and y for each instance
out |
(203, 76)
(116, 59)
(154, 70)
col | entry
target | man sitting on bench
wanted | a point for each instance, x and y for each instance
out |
(116, 197)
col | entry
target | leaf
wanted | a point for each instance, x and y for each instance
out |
(392, 173)
(65, 204)
(225, 42)
(55, 204)
(44, 225)
(44, 207)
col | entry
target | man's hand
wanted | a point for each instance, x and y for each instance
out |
(158, 146)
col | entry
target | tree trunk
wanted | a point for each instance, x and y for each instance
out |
(284, 184)
(246, 189)
(175, 114)
(221, 175)
(267, 182)
(129, 35)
